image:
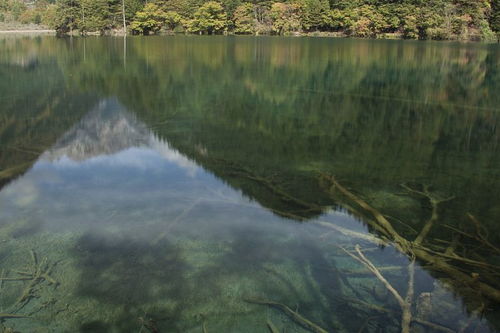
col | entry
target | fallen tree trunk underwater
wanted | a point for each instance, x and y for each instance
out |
(415, 248)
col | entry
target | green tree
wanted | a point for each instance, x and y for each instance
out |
(172, 19)
(149, 20)
(244, 19)
(263, 21)
(431, 25)
(30, 15)
(49, 16)
(410, 27)
(17, 7)
(285, 17)
(390, 13)
(131, 7)
(338, 19)
(209, 18)
(416, 19)
(230, 7)
(68, 16)
(495, 17)
(185, 8)
(364, 21)
(314, 14)
(95, 15)
(4, 6)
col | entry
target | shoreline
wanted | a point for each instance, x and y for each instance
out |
(28, 31)
(386, 36)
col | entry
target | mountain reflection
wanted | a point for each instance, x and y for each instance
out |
(110, 134)
(105, 162)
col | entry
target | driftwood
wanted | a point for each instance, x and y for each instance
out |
(239, 171)
(480, 235)
(351, 233)
(11, 316)
(382, 310)
(416, 249)
(438, 261)
(404, 303)
(271, 327)
(8, 315)
(295, 316)
(382, 225)
(434, 201)
(363, 272)
(39, 272)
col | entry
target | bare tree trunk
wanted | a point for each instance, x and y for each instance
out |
(123, 16)
(82, 29)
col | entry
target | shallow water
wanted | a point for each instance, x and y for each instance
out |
(169, 184)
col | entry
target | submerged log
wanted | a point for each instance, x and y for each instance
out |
(439, 262)
(271, 327)
(404, 303)
(295, 316)
(11, 316)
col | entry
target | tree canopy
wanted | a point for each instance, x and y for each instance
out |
(411, 19)
(148, 20)
(209, 18)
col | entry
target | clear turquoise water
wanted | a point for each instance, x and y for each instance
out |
(164, 182)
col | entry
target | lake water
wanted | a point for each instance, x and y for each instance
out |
(243, 184)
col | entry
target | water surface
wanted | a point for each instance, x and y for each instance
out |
(170, 184)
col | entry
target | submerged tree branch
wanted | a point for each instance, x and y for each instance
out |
(295, 316)
(382, 225)
(271, 327)
(415, 320)
(438, 261)
(404, 303)
(434, 201)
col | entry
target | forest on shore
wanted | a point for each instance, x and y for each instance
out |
(410, 19)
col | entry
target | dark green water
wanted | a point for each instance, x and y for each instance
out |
(165, 184)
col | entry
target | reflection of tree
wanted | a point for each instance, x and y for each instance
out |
(36, 108)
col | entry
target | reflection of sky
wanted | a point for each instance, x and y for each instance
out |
(152, 180)
(109, 164)
(138, 194)
(145, 189)
(110, 169)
